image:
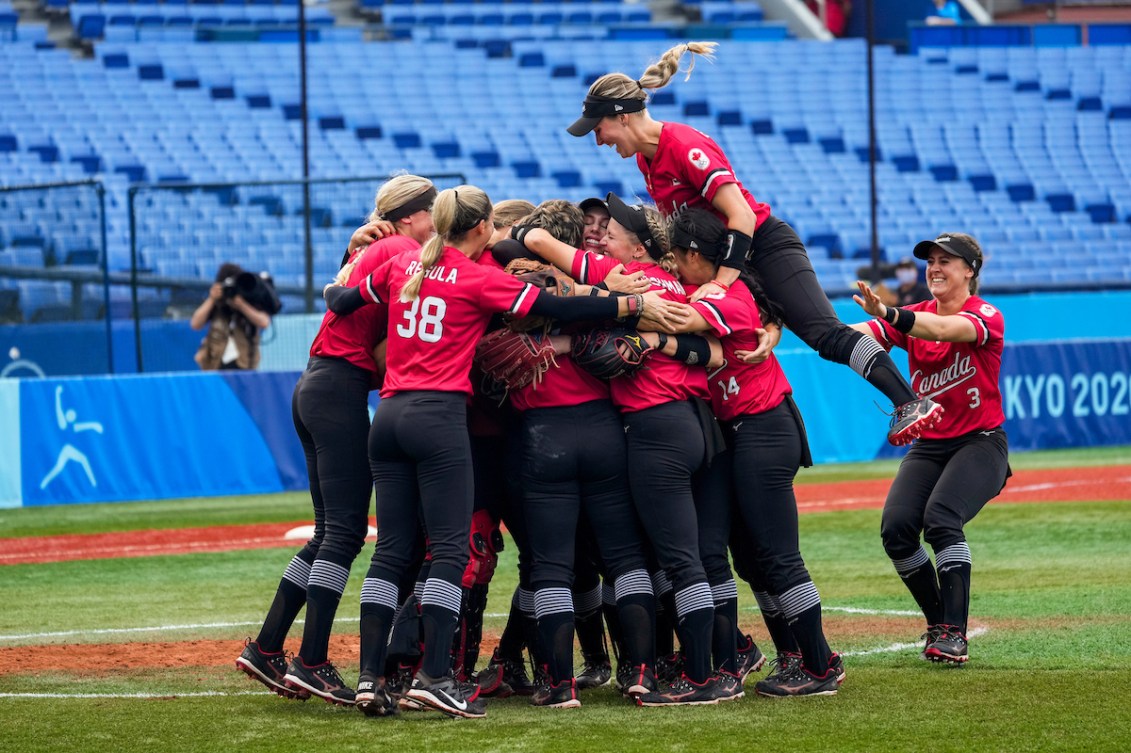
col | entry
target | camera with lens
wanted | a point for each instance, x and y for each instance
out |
(257, 289)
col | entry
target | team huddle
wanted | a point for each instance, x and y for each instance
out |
(623, 355)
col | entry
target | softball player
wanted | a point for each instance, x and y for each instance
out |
(440, 302)
(954, 344)
(766, 445)
(685, 168)
(666, 442)
(331, 416)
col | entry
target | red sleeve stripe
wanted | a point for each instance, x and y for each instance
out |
(980, 324)
(527, 291)
(367, 291)
(881, 331)
(717, 315)
(583, 278)
(711, 177)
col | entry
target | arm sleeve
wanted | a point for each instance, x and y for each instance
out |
(568, 310)
(342, 300)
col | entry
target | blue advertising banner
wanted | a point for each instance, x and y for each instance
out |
(1069, 394)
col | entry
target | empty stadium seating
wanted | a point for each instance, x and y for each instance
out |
(1024, 147)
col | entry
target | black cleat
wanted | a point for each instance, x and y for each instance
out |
(728, 686)
(594, 674)
(448, 696)
(911, 419)
(683, 692)
(504, 677)
(373, 697)
(321, 680)
(750, 658)
(635, 680)
(269, 668)
(934, 632)
(836, 664)
(949, 648)
(795, 680)
(560, 696)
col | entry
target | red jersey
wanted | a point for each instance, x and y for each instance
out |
(564, 385)
(962, 377)
(432, 338)
(739, 388)
(354, 336)
(687, 170)
(663, 379)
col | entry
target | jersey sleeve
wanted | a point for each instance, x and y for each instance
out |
(726, 314)
(887, 335)
(704, 166)
(589, 268)
(375, 287)
(499, 291)
(988, 322)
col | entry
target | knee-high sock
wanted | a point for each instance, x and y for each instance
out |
(612, 618)
(871, 361)
(776, 624)
(513, 638)
(323, 592)
(665, 614)
(954, 565)
(918, 575)
(724, 633)
(439, 613)
(378, 611)
(553, 608)
(590, 626)
(695, 611)
(290, 597)
(636, 607)
(802, 608)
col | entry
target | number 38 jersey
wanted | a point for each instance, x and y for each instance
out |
(432, 338)
(962, 377)
(740, 388)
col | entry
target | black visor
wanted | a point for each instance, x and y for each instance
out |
(594, 108)
(954, 247)
(633, 219)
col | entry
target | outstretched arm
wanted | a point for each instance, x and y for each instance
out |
(922, 324)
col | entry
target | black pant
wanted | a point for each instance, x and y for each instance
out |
(940, 486)
(779, 258)
(764, 451)
(330, 408)
(573, 459)
(665, 455)
(421, 460)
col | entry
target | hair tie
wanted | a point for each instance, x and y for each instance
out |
(640, 84)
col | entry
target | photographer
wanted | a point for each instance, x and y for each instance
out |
(234, 324)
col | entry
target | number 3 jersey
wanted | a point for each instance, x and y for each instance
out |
(740, 388)
(432, 338)
(962, 377)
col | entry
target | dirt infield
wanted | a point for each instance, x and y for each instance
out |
(1055, 485)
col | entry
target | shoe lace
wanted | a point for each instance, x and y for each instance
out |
(783, 662)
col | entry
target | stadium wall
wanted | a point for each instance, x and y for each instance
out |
(74, 439)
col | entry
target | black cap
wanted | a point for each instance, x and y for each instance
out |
(633, 218)
(586, 204)
(954, 246)
(594, 108)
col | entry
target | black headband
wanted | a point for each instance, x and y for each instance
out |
(412, 206)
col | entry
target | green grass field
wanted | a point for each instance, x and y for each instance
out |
(1052, 672)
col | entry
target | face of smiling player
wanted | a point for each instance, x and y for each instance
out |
(948, 277)
(621, 244)
(596, 226)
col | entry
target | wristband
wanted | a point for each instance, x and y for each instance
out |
(736, 249)
(594, 291)
(692, 350)
(635, 304)
(602, 285)
(663, 341)
(899, 318)
(518, 233)
(720, 283)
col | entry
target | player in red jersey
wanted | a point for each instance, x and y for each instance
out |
(954, 344)
(664, 419)
(685, 168)
(766, 444)
(440, 301)
(331, 415)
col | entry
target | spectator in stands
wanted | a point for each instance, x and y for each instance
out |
(946, 13)
(234, 325)
(836, 14)
(911, 288)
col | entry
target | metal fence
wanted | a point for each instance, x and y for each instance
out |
(92, 282)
